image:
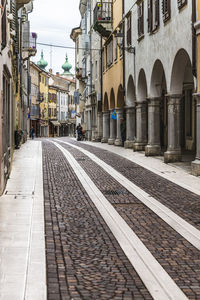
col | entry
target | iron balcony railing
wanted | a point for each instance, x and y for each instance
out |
(103, 12)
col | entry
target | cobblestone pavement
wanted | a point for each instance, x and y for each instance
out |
(181, 201)
(177, 256)
(84, 261)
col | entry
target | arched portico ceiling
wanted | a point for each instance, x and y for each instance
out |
(142, 86)
(158, 80)
(105, 102)
(112, 99)
(181, 72)
(120, 96)
(131, 97)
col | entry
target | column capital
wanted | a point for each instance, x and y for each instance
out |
(154, 101)
(127, 107)
(140, 102)
(174, 98)
(106, 112)
(197, 27)
(197, 98)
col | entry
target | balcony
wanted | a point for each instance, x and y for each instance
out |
(20, 3)
(103, 18)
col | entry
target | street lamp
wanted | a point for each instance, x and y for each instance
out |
(120, 43)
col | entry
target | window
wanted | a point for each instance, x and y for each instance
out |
(166, 9)
(153, 15)
(96, 69)
(128, 36)
(103, 61)
(3, 25)
(140, 19)
(181, 3)
(115, 48)
(109, 49)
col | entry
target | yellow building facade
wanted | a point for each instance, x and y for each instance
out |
(52, 112)
(109, 24)
(44, 105)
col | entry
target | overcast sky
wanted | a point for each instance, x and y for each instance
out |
(53, 21)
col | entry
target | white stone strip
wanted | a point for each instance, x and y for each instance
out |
(169, 171)
(189, 232)
(158, 282)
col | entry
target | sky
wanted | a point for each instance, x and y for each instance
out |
(53, 21)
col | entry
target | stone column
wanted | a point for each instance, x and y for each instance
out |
(106, 126)
(112, 138)
(141, 126)
(153, 147)
(130, 126)
(99, 126)
(196, 163)
(118, 141)
(173, 152)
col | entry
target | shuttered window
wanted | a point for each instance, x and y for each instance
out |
(14, 25)
(166, 9)
(140, 19)
(181, 3)
(3, 25)
(109, 49)
(128, 36)
(153, 15)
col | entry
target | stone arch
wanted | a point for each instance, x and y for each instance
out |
(120, 97)
(181, 72)
(130, 92)
(142, 86)
(105, 102)
(112, 99)
(158, 80)
(158, 90)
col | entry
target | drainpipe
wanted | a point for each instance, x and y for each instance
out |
(194, 41)
(123, 28)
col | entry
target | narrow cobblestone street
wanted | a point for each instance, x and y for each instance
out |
(84, 259)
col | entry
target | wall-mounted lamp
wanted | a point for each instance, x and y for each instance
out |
(120, 37)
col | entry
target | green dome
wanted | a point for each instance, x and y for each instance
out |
(66, 67)
(42, 63)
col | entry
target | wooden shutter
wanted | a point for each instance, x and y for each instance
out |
(141, 19)
(181, 3)
(150, 16)
(157, 13)
(3, 25)
(166, 9)
(129, 42)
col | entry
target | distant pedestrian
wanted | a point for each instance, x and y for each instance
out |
(32, 131)
(79, 132)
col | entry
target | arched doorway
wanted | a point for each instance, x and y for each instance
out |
(157, 112)
(181, 111)
(141, 113)
(130, 113)
(121, 118)
(106, 119)
(112, 137)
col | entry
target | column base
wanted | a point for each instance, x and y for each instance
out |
(172, 156)
(128, 144)
(152, 150)
(118, 142)
(196, 167)
(104, 140)
(139, 146)
(111, 141)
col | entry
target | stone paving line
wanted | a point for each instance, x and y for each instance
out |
(177, 256)
(190, 233)
(169, 171)
(182, 201)
(84, 261)
(22, 248)
(158, 282)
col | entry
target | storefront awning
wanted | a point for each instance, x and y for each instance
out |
(55, 123)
